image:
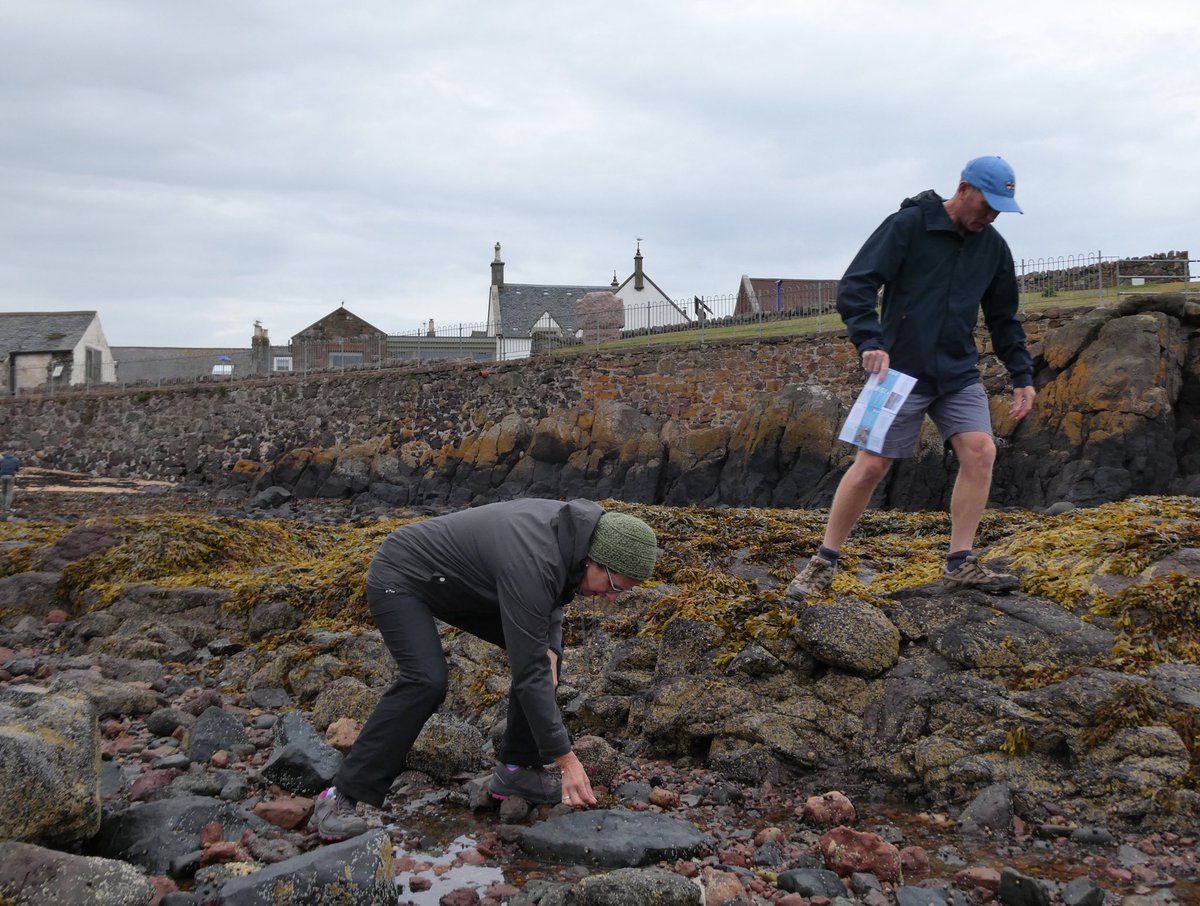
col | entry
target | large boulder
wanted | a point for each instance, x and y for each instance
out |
(624, 456)
(155, 834)
(613, 838)
(448, 746)
(849, 634)
(50, 753)
(784, 450)
(31, 875)
(29, 593)
(356, 872)
(1104, 426)
(302, 762)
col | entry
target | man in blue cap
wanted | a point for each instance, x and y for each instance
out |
(938, 262)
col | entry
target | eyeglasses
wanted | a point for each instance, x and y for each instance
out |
(616, 589)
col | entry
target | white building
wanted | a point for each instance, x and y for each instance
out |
(53, 349)
(526, 318)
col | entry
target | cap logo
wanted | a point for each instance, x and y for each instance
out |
(1011, 186)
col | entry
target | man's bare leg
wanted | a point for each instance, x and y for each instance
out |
(849, 501)
(976, 452)
(852, 496)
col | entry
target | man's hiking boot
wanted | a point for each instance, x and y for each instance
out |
(973, 574)
(814, 579)
(531, 784)
(335, 818)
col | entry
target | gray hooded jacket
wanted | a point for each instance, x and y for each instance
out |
(522, 559)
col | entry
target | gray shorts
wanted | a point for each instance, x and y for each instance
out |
(952, 413)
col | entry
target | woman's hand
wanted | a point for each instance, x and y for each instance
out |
(576, 787)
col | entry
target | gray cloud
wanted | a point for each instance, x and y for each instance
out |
(187, 168)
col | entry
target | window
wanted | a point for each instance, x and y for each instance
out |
(281, 363)
(345, 359)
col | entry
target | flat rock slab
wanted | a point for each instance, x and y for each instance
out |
(613, 838)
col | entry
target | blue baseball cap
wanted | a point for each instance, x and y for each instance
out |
(995, 179)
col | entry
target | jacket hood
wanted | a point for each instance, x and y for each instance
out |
(927, 199)
(932, 208)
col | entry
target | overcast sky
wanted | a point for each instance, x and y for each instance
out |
(188, 167)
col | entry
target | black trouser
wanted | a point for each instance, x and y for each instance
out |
(410, 633)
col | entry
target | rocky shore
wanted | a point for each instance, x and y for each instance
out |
(179, 675)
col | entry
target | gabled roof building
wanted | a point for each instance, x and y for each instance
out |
(53, 349)
(341, 339)
(774, 295)
(523, 315)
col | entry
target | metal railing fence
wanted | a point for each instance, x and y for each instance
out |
(1094, 274)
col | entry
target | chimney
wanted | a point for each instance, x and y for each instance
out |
(497, 268)
(615, 284)
(639, 282)
(260, 350)
(431, 332)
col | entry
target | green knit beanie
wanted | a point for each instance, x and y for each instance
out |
(624, 544)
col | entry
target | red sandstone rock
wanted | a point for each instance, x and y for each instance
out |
(978, 876)
(147, 785)
(832, 808)
(847, 851)
(224, 851)
(664, 798)
(288, 812)
(460, 896)
(342, 732)
(722, 888)
(211, 833)
(408, 863)
(914, 860)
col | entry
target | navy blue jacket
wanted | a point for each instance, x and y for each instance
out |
(9, 464)
(935, 279)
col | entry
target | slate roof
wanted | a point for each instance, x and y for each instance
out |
(523, 304)
(47, 331)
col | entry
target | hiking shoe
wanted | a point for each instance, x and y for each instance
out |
(334, 817)
(531, 784)
(814, 579)
(973, 574)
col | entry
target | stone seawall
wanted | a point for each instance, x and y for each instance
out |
(741, 422)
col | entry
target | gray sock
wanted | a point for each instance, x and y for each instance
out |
(956, 559)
